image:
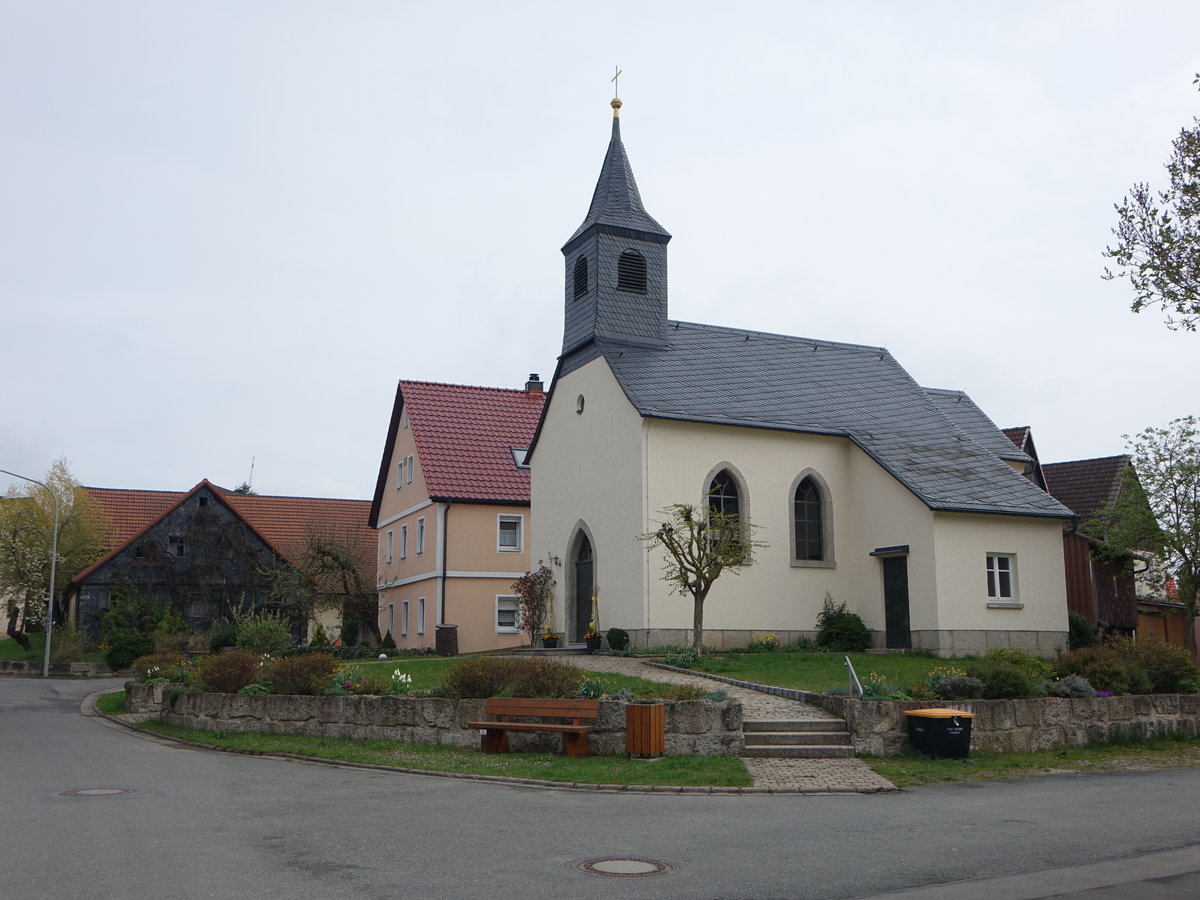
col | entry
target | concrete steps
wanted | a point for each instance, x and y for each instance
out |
(797, 739)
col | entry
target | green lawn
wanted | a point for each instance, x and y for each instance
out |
(10, 649)
(821, 671)
(698, 771)
(909, 769)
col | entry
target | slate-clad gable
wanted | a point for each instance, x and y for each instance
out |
(972, 421)
(728, 376)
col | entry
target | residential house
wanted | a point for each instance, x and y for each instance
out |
(866, 487)
(209, 551)
(451, 513)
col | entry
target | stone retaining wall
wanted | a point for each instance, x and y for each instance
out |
(880, 728)
(57, 669)
(696, 727)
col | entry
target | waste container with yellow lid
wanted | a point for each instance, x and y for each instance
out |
(939, 732)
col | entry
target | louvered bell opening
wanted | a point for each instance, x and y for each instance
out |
(631, 272)
(581, 274)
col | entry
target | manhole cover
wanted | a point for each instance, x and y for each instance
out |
(623, 867)
(95, 792)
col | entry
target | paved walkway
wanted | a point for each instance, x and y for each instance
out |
(783, 775)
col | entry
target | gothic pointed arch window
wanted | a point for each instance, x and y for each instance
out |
(581, 277)
(723, 494)
(631, 272)
(812, 521)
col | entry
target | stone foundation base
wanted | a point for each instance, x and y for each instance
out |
(952, 642)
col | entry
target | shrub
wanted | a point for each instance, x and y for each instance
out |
(1038, 670)
(126, 648)
(308, 674)
(264, 632)
(255, 689)
(321, 639)
(684, 659)
(958, 687)
(161, 668)
(591, 689)
(618, 639)
(1168, 666)
(222, 638)
(229, 671)
(1071, 686)
(544, 678)
(841, 630)
(388, 642)
(67, 643)
(350, 632)
(1003, 680)
(478, 676)
(1081, 632)
(1104, 670)
(680, 692)
(375, 683)
(763, 643)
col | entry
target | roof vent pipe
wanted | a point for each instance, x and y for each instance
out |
(534, 383)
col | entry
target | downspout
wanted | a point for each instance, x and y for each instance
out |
(443, 513)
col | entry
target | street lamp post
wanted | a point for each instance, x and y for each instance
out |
(53, 566)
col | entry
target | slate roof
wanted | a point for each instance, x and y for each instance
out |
(727, 376)
(1085, 485)
(465, 436)
(973, 422)
(616, 202)
(283, 523)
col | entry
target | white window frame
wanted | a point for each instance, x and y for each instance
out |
(519, 522)
(998, 565)
(404, 541)
(403, 618)
(507, 602)
(390, 536)
(391, 619)
(409, 469)
(420, 535)
(420, 615)
(399, 474)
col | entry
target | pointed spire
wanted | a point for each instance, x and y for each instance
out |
(616, 201)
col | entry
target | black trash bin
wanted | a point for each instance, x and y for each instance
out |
(446, 640)
(940, 733)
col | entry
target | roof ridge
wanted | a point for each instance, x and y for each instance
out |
(1071, 462)
(478, 387)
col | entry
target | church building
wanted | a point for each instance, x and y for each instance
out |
(905, 503)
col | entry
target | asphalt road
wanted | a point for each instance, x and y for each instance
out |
(199, 824)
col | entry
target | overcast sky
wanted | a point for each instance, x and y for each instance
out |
(228, 228)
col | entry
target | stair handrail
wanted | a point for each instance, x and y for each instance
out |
(855, 688)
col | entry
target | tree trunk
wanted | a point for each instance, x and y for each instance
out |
(698, 623)
(14, 632)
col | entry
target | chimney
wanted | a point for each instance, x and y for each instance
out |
(534, 383)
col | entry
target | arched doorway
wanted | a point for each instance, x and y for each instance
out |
(584, 584)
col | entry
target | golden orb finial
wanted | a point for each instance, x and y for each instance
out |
(616, 105)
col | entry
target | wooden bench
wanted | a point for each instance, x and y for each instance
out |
(575, 734)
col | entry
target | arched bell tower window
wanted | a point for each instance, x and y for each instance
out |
(631, 272)
(581, 277)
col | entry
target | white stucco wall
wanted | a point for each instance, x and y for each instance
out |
(587, 469)
(963, 543)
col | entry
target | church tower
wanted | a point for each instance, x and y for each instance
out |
(616, 262)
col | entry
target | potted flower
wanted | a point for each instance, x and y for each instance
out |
(549, 639)
(592, 638)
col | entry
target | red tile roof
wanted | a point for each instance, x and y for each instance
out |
(1017, 435)
(283, 522)
(465, 436)
(1084, 485)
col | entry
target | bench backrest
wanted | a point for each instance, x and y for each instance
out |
(535, 706)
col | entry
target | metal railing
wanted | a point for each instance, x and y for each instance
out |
(854, 688)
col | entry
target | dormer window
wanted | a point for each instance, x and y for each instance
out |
(581, 277)
(519, 455)
(631, 272)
